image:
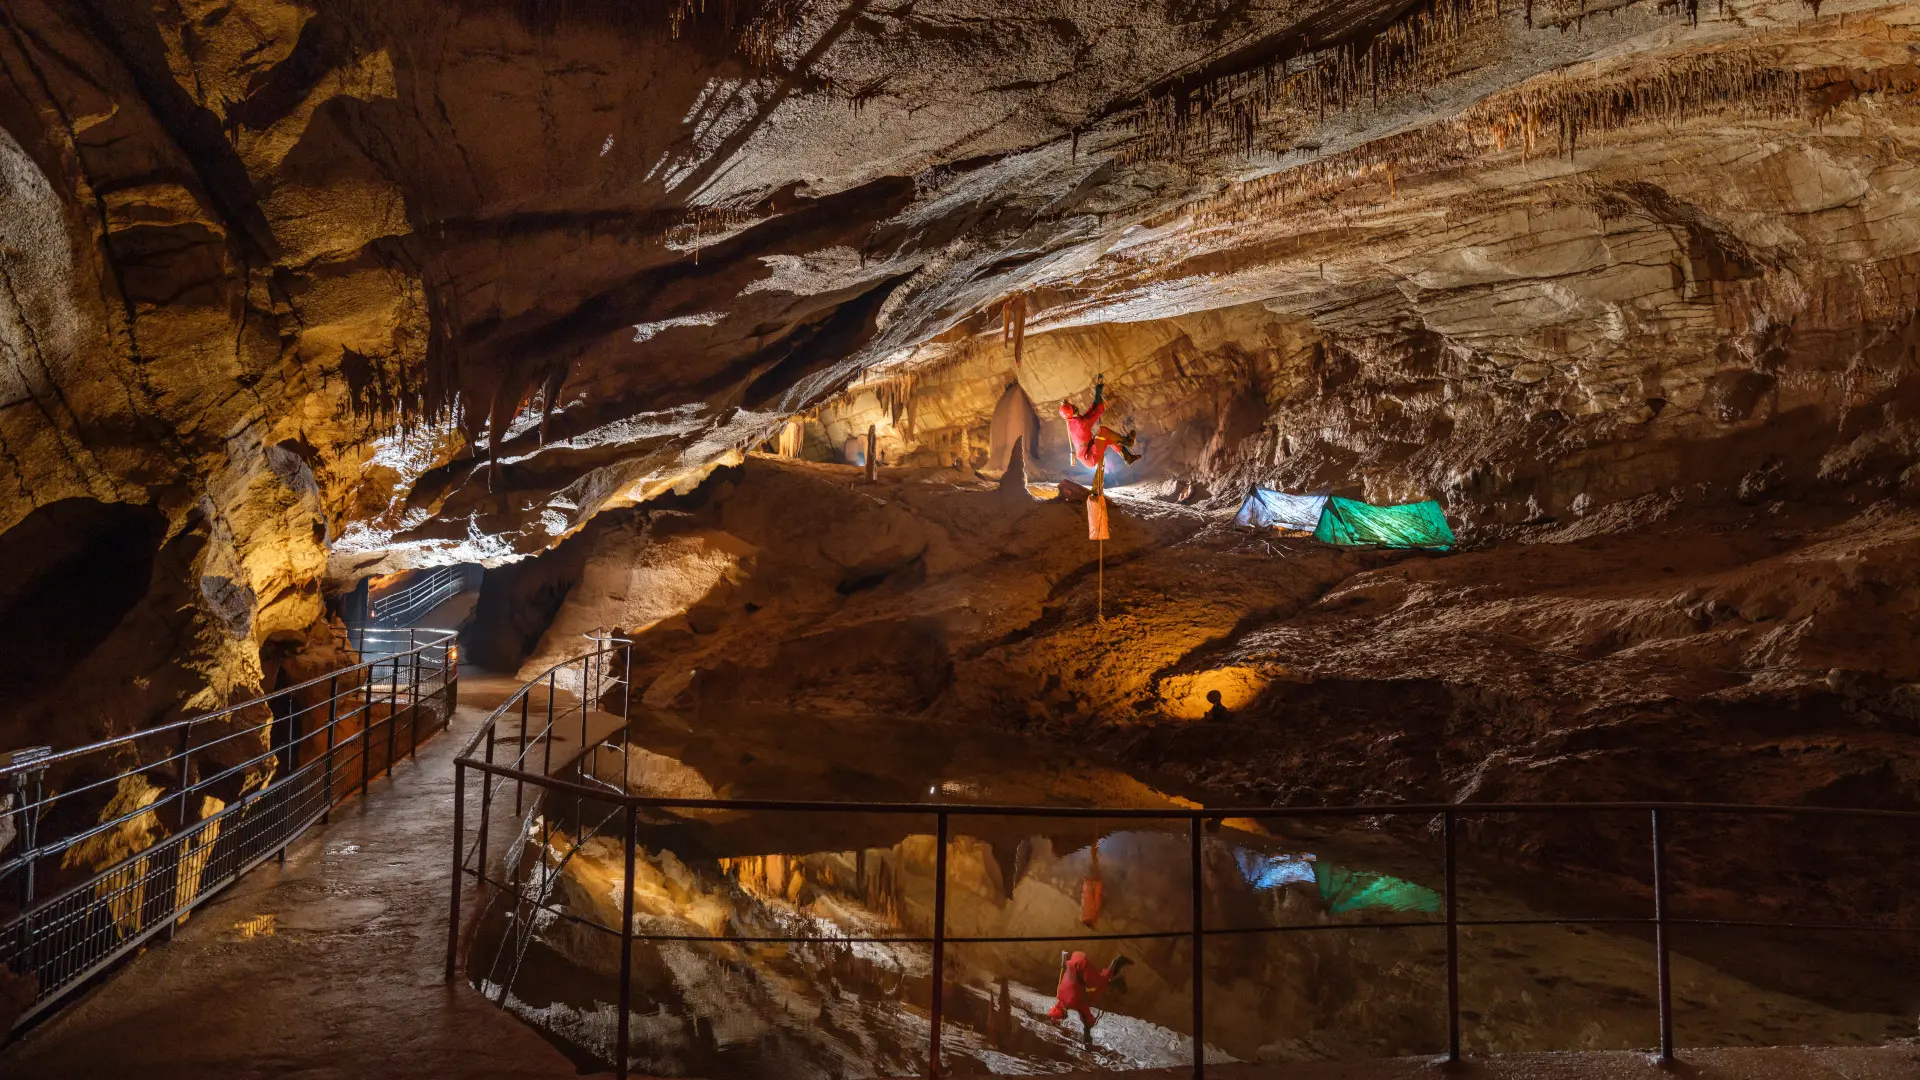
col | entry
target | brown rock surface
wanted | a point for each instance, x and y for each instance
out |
(299, 293)
(1743, 654)
(294, 293)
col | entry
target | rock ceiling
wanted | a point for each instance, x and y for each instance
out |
(345, 286)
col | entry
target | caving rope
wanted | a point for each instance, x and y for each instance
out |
(1097, 532)
(1093, 894)
(1088, 442)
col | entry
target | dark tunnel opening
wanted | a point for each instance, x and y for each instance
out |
(90, 562)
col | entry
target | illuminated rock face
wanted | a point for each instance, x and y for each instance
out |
(323, 291)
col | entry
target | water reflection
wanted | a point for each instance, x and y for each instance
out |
(833, 1007)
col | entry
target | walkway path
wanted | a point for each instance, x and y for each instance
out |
(330, 967)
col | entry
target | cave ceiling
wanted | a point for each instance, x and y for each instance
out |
(351, 286)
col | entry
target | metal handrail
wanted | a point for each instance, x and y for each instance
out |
(478, 756)
(271, 767)
(419, 596)
(428, 638)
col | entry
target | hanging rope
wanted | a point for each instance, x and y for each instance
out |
(1097, 531)
(1093, 892)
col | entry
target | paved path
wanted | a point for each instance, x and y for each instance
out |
(330, 967)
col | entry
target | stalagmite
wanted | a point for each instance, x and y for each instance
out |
(1013, 481)
(1014, 420)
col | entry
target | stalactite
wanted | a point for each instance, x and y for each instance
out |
(702, 222)
(754, 29)
(1567, 110)
(550, 396)
(1241, 112)
(748, 29)
(1013, 324)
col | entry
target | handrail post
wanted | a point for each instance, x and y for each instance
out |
(1198, 899)
(486, 811)
(546, 737)
(938, 1005)
(186, 794)
(366, 729)
(393, 713)
(520, 759)
(32, 822)
(293, 755)
(580, 760)
(186, 764)
(333, 717)
(1661, 943)
(413, 696)
(620, 1041)
(459, 841)
(626, 716)
(1453, 939)
(626, 683)
(450, 679)
(30, 812)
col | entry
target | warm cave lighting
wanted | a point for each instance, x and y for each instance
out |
(1511, 416)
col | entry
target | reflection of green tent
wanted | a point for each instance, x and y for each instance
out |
(1356, 890)
(1411, 525)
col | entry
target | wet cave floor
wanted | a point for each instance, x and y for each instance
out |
(331, 966)
(1339, 982)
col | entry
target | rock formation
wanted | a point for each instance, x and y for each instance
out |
(296, 293)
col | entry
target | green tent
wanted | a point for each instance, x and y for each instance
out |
(1356, 524)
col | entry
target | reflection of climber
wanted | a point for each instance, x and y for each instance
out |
(1090, 437)
(1081, 984)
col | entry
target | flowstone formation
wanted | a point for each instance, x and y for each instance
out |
(297, 293)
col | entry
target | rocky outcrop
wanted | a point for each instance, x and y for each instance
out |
(295, 294)
(1666, 648)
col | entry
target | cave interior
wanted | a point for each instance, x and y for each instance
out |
(1206, 408)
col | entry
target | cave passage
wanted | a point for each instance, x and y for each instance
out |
(1221, 408)
(75, 568)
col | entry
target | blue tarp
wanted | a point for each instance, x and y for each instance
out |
(1266, 507)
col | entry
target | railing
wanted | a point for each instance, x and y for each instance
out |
(398, 608)
(622, 811)
(110, 844)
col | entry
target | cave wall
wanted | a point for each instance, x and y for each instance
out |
(177, 315)
(1242, 396)
(339, 289)
(1718, 302)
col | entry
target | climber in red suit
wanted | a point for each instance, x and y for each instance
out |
(1090, 437)
(1081, 984)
